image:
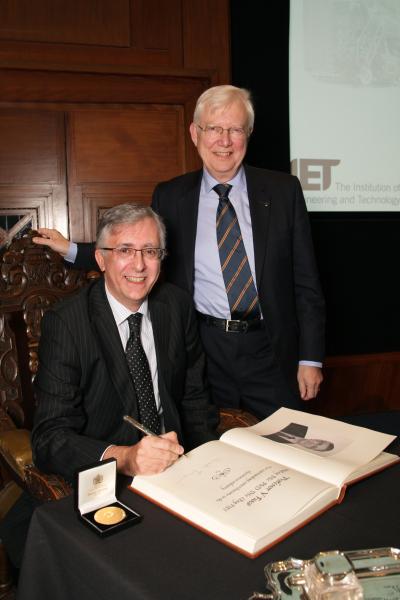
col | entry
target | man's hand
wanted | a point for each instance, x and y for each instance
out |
(309, 379)
(153, 454)
(54, 239)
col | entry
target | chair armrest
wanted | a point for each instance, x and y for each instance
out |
(46, 487)
(16, 452)
(15, 449)
(234, 417)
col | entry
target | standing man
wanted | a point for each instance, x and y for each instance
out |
(240, 242)
(124, 345)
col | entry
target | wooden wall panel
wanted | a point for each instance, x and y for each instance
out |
(94, 34)
(117, 155)
(22, 86)
(32, 170)
(92, 22)
(117, 35)
(126, 144)
(359, 384)
(95, 199)
(31, 149)
(57, 91)
(206, 37)
(124, 75)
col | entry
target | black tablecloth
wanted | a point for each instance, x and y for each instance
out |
(165, 558)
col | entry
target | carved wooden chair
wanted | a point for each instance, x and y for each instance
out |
(32, 278)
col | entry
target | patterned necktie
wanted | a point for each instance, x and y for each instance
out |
(141, 376)
(239, 283)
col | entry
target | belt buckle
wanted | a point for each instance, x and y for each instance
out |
(230, 322)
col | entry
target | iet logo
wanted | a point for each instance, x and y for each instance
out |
(314, 173)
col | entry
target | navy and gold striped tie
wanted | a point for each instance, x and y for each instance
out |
(239, 283)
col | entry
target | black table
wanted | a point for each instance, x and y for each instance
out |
(165, 558)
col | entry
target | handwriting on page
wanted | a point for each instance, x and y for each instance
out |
(250, 489)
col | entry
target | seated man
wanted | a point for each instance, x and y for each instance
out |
(125, 345)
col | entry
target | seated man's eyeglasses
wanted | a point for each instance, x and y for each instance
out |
(124, 252)
(216, 131)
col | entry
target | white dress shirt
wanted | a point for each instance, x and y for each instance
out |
(121, 314)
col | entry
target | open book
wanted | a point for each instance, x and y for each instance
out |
(250, 491)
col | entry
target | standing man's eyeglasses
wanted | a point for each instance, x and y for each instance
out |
(216, 131)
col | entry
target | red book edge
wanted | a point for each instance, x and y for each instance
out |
(377, 470)
(229, 544)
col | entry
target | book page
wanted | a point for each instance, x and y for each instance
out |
(321, 447)
(236, 495)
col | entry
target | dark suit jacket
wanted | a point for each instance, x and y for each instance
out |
(287, 279)
(84, 389)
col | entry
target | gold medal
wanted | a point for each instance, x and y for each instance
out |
(109, 515)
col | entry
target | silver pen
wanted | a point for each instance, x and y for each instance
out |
(138, 425)
(141, 427)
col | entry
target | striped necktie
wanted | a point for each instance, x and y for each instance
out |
(239, 283)
(141, 376)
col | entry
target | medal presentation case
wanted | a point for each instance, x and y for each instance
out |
(95, 499)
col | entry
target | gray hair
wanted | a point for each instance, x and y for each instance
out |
(222, 96)
(128, 214)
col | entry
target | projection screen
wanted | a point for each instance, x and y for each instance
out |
(344, 81)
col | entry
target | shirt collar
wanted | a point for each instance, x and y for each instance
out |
(239, 181)
(121, 312)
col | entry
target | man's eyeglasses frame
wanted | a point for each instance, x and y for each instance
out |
(149, 253)
(216, 131)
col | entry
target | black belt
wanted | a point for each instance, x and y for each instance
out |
(232, 325)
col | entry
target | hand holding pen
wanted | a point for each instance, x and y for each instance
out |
(150, 455)
(140, 427)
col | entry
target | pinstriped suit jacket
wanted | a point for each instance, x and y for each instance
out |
(83, 386)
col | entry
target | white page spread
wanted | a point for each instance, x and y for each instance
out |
(236, 495)
(353, 446)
